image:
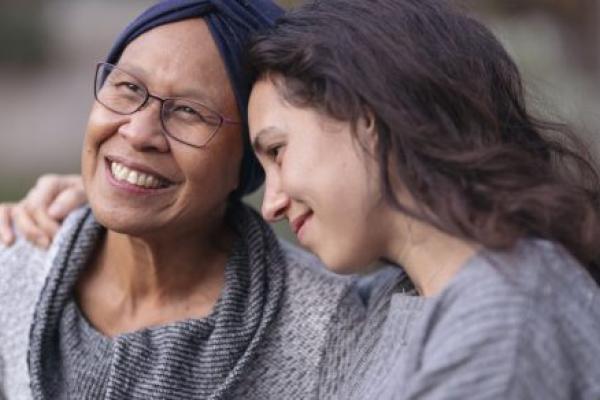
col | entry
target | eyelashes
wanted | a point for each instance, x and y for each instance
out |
(273, 152)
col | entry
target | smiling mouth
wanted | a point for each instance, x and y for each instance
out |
(121, 173)
(299, 222)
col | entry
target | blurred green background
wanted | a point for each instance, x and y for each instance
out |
(48, 50)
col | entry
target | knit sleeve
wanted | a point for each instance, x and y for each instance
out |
(21, 276)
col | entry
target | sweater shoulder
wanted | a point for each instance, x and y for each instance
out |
(308, 276)
(519, 323)
(24, 268)
(315, 303)
(22, 265)
(540, 276)
(535, 284)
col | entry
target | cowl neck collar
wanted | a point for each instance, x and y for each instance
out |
(202, 358)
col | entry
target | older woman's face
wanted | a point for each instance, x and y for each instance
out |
(162, 184)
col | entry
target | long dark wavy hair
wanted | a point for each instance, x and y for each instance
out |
(450, 115)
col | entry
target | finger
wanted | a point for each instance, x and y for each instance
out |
(46, 224)
(65, 202)
(6, 230)
(28, 227)
(43, 192)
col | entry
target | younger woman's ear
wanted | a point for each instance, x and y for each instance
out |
(370, 123)
(367, 128)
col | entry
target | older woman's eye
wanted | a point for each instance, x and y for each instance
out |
(129, 87)
(191, 114)
(188, 110)
(188, 113)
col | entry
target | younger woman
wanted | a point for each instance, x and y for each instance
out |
(398, 130)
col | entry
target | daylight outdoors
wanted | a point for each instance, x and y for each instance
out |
(48, 50)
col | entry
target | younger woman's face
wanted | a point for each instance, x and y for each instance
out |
(319, 178)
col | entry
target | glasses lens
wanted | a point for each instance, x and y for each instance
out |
(190, 122)
(119, 91)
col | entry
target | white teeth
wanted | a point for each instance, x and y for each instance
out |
(132, 177)
(124, 174)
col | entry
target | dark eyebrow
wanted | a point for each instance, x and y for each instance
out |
(257, 142)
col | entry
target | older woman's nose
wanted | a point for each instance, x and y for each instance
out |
(275, 201)
(144, 130)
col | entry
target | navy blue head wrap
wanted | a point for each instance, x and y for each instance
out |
(231, 23)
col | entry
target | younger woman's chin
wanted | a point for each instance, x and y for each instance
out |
(344, 265)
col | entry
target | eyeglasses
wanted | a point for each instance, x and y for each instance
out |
(184, 120)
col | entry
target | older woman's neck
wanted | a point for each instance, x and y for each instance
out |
(167, 267)
(134, 283)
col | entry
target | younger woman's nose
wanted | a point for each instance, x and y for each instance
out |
(275, 202)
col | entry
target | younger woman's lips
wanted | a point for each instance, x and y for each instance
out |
(298, 222)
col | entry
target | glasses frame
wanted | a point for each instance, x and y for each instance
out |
(222, 119)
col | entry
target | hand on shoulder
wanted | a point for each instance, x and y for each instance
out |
(39, 214)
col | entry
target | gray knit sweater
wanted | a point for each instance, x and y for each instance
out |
(523, 324)
(286, 362)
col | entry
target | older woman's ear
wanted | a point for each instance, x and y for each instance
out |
(38, 216)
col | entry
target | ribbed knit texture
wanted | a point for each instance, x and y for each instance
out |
(190, 359)
(523, 324)
(85, 360)
(284, 362)
(352, 358)
(86, 354)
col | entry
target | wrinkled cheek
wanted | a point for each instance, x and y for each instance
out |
(102, 124)
(89, 151)
(100, 128)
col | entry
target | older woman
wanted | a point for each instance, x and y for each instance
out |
(167, 286)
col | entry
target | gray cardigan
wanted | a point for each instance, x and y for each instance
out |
(522, 324)
(316, 308)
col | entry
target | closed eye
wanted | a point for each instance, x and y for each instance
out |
(274, 152)
(187, 110)
(192, 114)
(130, 87)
